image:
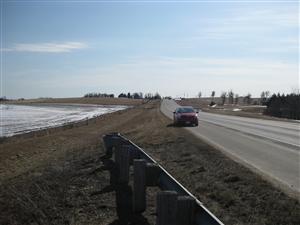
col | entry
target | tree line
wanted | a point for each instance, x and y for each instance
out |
(233, 98)
(98, 95)
(284, 106)
(140, 95)
(3, 98)
(135, 95)
(230, 97)
(278, 105)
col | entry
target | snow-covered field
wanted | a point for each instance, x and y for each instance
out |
(16, 119)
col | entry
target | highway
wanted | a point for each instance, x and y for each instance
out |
(269, 147)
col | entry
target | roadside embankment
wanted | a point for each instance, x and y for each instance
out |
(61, 178)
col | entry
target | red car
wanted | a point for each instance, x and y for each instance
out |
(185, 115)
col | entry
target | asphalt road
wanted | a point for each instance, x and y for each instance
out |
(271, 148)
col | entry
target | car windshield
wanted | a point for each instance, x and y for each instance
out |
(185, 110)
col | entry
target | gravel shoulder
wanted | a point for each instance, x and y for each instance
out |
(61, 177)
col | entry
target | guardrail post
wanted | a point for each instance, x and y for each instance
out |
(124, 157)
(185, 210)
(117, 151)
(139, 185)
(134, 154)
(166, 208)
(153, 172)
(110, 141)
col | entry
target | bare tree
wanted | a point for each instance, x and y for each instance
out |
(264, 96)
(236, 99)
(247, 99)
(137, 95)
(230, 97)
(295, 90)
(223, 97)
(199, 94)
(213, 93)
(157, 96)
(148, 96)
(212, 98)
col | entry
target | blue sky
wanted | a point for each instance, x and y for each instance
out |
(69, 48)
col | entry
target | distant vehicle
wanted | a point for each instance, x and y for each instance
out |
(185, 115)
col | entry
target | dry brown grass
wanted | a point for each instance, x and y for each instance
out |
(97, 101)
(60, 178)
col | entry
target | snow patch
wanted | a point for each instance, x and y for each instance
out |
(16, 119)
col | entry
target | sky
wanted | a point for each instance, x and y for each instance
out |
(177, 48)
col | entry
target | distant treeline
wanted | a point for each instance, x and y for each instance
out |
(284, 106)
(278, 105)
(3, 99)
(98, 95)
(139, 95)
(135, 95)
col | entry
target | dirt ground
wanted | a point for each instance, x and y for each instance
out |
(62, 177)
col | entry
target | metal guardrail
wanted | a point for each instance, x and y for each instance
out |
(202, 216)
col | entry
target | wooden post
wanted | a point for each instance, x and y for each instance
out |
(139, 185)
(124, 202)
(117, 151)
(110, 142)
(124, 157)
(152, 174)
(185, 210)
(134, 154)
(166, 208)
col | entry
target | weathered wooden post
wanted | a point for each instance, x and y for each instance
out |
(134, 154)
(152, 174)
(110, 141)
(166, 208)
(139, 185)
(117, 151)
(124, 159)
(185, 210)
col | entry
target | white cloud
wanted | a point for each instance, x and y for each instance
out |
(249, 23)
(248, 30)
(48, 47)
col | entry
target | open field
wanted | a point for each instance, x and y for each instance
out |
(59, 177)
(97, 101)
